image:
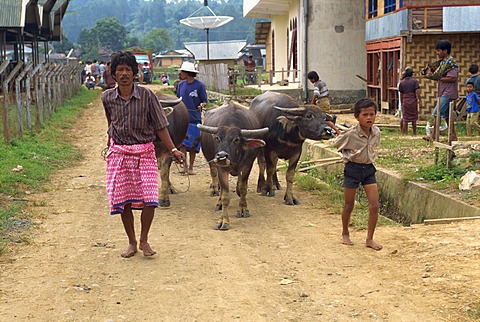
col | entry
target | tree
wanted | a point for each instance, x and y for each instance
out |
(157, 40)
(111, 34)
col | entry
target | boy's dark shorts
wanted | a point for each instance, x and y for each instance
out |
(356, 173)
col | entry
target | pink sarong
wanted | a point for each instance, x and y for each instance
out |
(132, 176)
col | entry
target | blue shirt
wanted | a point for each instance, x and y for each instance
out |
(192, 95)
(472, 103)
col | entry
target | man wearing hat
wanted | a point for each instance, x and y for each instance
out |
(194, 96)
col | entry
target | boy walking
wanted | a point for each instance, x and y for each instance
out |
(472, 100)
(357, 148)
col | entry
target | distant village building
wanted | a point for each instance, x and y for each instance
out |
(225, 52)
(325, 36)
(172, 58)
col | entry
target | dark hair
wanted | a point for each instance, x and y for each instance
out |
(408, 73)
(473, 69)
(313, 75)
(363, 103)
(471, 83)
(120, 58)
(444, 44)
(191, 74)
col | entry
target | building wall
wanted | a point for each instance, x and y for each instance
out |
(280, 26)
(336, 47)
(421, 51)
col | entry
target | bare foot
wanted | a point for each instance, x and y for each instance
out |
(130, 251)
(346, 240)
(372, 244)
(190, 172)
(147, 250)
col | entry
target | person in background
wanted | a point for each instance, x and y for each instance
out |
(445, 72)
(96, 71)
(89, 81)
(146, 73)
(409, 89)
(321, 99)
(101, 69)
(165, 80)
(249, 64)
(472, 100)
(135, 118)
(194, 96)
(357, 148)
(474, 78)
(108, 80)
(177, 81)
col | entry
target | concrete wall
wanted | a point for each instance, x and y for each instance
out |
(336, 44)
(403, 201)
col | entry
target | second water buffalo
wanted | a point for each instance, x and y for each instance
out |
(290, 124)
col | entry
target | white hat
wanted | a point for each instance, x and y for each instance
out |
(188, 67)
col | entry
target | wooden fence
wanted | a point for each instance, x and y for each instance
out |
(31, 94)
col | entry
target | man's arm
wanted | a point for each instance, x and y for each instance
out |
(167, 141)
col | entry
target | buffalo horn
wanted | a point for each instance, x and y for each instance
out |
(167, 110)
(253, 134)
(208, 129)
(166, 103)
(297, 111)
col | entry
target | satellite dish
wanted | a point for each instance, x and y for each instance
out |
(206, 22)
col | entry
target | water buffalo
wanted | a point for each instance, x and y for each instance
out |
(230, 141)
(289, 124)
(178, 123)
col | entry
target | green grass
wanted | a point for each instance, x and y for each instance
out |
(329, 189)
(39, 153)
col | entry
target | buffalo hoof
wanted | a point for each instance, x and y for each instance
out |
(270, 193)
(223, 226)
(244, 214)
(292, 202)
(164, 202)
(218, 207)
(214, 193)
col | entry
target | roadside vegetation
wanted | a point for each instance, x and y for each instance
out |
(27, 163)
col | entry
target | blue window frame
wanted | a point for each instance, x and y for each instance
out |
(390, 5)
(372, 8)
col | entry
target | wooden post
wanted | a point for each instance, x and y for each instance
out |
(6, 116)
(450, 131)
(437, 129)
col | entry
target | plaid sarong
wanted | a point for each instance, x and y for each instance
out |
(132, 176)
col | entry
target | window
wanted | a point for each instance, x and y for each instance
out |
(372, 8)
(390, 5)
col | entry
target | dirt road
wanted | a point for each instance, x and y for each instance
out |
(284, 263)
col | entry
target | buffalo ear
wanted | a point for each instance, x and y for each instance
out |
(253, 143)
(287, 121)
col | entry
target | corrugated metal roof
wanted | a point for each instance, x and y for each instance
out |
(12, 13)
(218, 50)
(461, 19)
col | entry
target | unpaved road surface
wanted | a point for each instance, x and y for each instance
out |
(285, 263)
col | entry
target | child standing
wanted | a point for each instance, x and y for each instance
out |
(357, 148)
(473, 110)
